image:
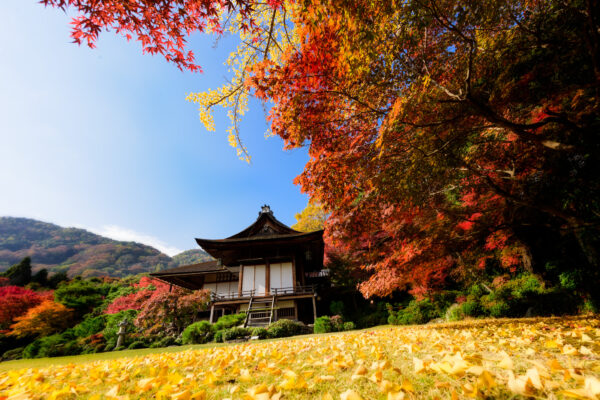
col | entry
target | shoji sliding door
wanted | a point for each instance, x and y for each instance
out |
(281, 275)
(254, 278)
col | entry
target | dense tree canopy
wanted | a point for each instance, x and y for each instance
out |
(312, 218)
(448, 139)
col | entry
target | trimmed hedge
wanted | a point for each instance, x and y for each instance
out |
(229, 321)
(326, 324)
(236, 333)
(285, 328)
(198, 333)
(261, 333)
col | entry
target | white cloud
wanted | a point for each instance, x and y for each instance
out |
(128, 235)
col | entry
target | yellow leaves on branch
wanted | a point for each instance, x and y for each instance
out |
(271, 40)
(481, 359)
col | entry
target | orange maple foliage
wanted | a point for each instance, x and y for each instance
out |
(45, 319)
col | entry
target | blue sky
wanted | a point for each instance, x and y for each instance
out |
(103, 139)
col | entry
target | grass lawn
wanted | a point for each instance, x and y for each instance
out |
(45, 362)
(542, 358)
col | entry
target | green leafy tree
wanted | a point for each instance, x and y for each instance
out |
(41, 277)
(19, 274)
(80, 295)
(57, 278)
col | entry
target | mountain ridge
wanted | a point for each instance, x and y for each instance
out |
(77, 251)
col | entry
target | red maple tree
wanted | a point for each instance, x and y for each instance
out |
(16, 300)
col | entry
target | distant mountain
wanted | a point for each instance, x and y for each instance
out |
(190, 257)
(79, 252)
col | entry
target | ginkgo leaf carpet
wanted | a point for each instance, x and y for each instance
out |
(521, 358)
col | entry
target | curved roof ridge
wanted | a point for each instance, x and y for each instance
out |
(265, 219)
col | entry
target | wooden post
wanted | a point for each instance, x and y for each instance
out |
(240, 282)
(170, 288)
(294, 272)
(314, 308)
(302, 271)
(267, 277)
(212, 313)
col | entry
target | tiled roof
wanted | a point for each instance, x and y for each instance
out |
(208, 266)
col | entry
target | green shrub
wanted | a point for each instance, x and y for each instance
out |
(60, 344)
(323, 325)
(198, 333)
(349, 326)
(261, 333)
(372, 316)
(570, 280)
(13, 354)
(588, 306)
(454, 313)
(285, 328)
(164, 342)
(476, 291)
(219, 336)
(90, 326)
(471, 309)
(499, 309)
(138, 344)
(417, 312)
(80, 295)
(236, 333)
(495, 305)
(527, 294)
(229, 321)
(525, 286)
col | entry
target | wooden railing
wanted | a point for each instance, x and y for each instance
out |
(293, 290)
(317, 274)
(246, 294)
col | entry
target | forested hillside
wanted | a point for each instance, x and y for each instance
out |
(190, 257)
(79, 252)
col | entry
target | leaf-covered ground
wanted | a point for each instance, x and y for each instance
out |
(541, 358)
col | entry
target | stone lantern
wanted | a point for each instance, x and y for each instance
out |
(121, 333)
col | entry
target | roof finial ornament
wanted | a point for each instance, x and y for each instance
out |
(265, 209)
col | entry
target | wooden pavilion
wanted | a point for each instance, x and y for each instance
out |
(268, 270)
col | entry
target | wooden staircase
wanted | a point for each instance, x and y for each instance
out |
(260, 312)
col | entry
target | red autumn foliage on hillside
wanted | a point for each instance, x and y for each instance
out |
(15, 301)
(148, 288)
